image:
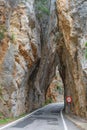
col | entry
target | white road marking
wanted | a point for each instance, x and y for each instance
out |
(64, 123)
(21, 119)
(17, 121)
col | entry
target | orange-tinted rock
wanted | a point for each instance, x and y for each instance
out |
(72, 16)
(17, 57)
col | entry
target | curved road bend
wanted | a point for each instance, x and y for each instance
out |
(49, 117)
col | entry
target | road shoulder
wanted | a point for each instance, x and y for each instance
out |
(81, 123)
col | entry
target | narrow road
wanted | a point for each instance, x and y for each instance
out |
(49, 117)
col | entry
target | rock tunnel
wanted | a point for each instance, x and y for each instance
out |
(40, 39)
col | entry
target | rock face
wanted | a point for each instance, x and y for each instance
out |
(72, 17)
(27, 56)
(32, 44)
(19, 54)
(40, 80)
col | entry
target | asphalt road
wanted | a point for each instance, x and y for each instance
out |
(49, 117)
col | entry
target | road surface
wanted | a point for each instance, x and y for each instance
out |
(49, 117)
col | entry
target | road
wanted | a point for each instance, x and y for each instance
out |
(49, 117)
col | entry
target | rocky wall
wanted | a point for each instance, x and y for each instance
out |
(20, 51)
(72, 16)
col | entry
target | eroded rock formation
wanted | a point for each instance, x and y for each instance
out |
(46, 70)
(19, 54)
(36, 41)
(27, 56)
(72, 17)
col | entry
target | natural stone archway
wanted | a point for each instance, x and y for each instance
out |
(66, 57)
(40, 40)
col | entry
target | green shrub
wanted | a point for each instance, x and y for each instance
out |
(1, 35)
(13, 37)
(42, 8)
(59, 89)
(2, 32)
(86, 50)
(48, 101)
(86, 44)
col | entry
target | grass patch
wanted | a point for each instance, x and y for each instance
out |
(8, 120)
(5, 121)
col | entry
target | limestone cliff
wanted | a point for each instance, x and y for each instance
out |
(19, 54)
(72, 16)
(34, 39)
(27, 55)
(41, 79)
